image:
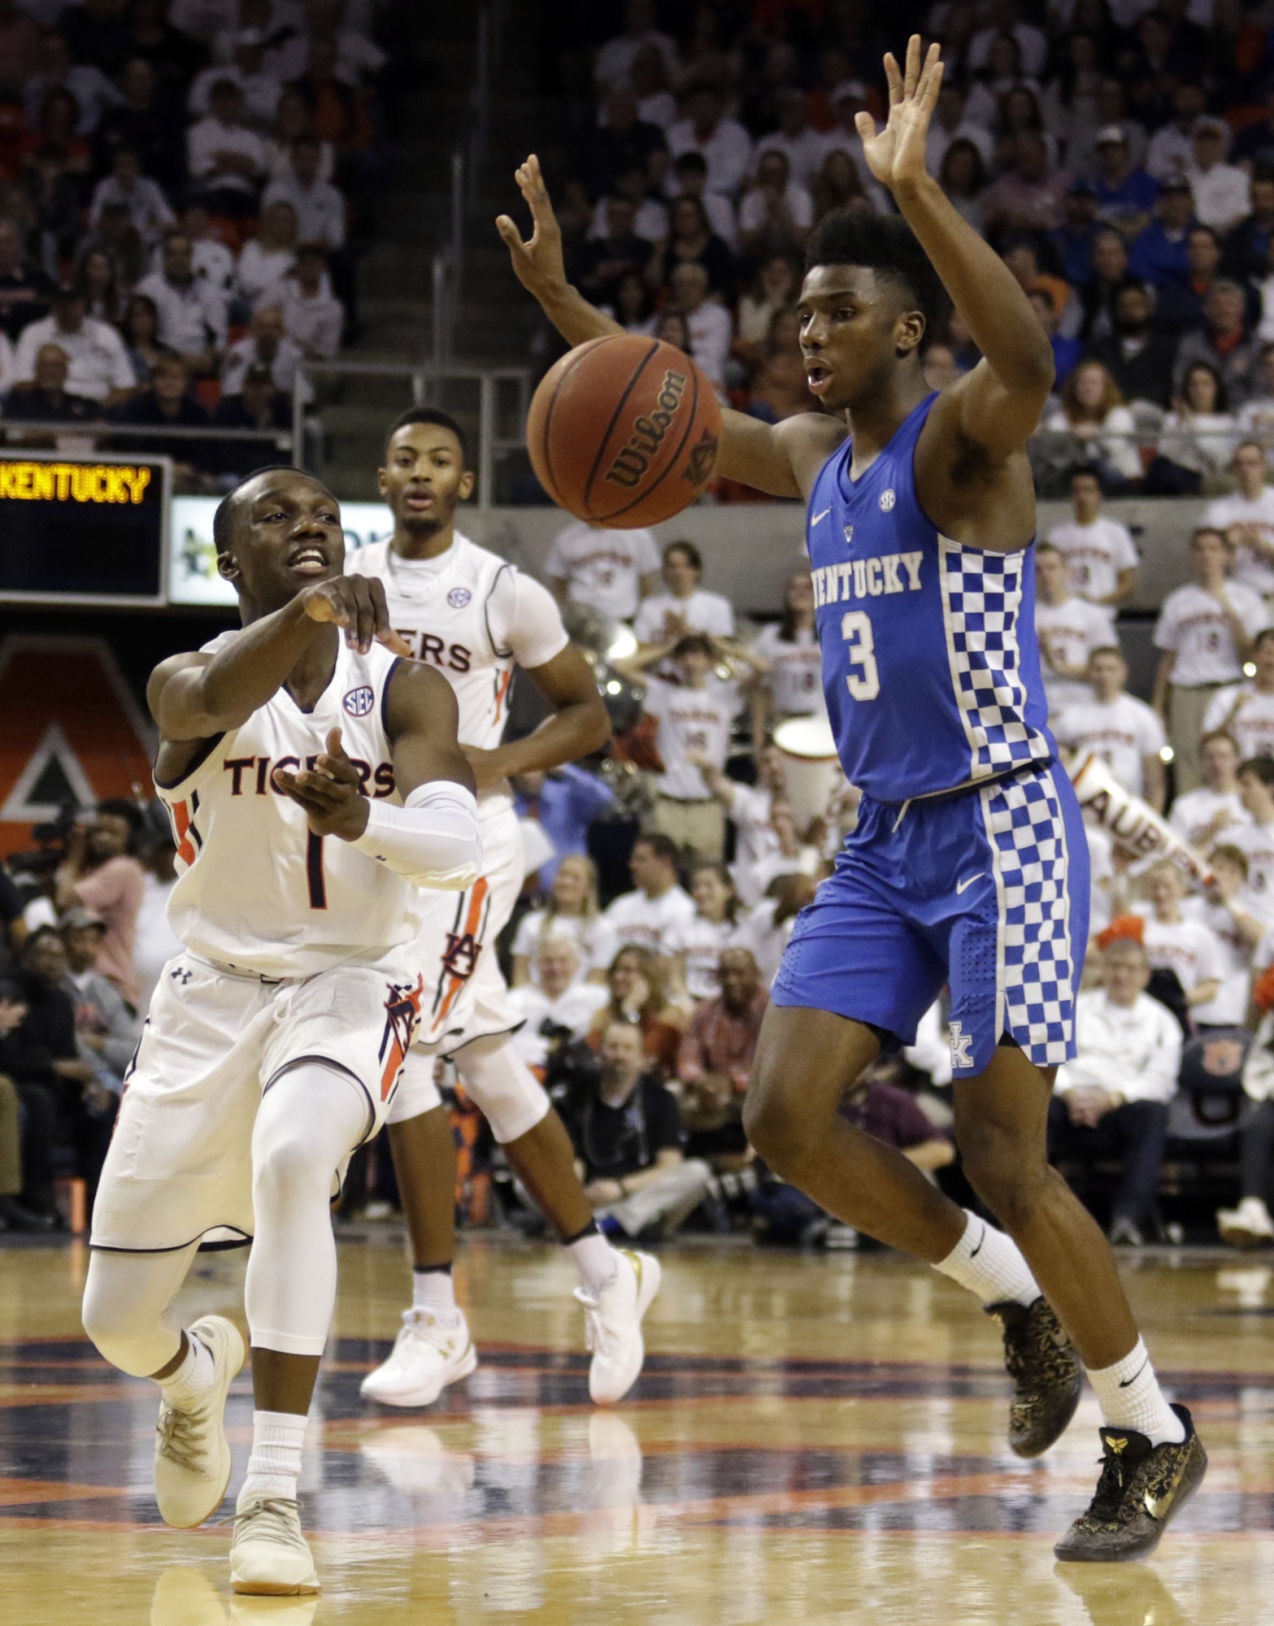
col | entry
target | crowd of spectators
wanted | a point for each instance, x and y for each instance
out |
(1120, 157)
(175, 186)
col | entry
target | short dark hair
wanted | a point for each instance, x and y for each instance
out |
(887, 245)
(693, 556)
(119, 807)
(434, 415)
(1263, 637)
(1261, 768)
(663, 846)
(693, 643)
(1221, 733)
(1089, 471)
(224, 513)
(685, 162)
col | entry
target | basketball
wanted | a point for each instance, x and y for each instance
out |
(624, 431)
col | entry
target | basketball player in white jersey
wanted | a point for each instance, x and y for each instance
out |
(314, 783)
(472, 616)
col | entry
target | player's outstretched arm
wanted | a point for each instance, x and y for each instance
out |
(196, 695)
(998, 404)
(780, 459)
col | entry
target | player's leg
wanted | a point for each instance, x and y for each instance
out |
(1154, 1460)
(127, 1314)
(311, 1118)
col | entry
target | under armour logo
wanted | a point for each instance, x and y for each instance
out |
(961, 1045)
(181, 975)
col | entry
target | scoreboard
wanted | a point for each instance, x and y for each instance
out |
(83, 529)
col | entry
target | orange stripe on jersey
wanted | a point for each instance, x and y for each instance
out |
(502, 691)
(181, 821)
(472, 921)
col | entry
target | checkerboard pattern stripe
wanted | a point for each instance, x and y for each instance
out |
(981, 598)
(1024, 821)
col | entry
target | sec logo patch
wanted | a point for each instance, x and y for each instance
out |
(458, 597)
(358, 702)
(887, 500)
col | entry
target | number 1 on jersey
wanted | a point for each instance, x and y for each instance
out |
(314, 870)
(855, 627)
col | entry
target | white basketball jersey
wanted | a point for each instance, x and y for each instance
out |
(256, 888)
(473, 616)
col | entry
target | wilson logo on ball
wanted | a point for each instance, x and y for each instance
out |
(648, 433)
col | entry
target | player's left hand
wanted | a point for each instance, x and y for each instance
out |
(330, 792)
(896, 154)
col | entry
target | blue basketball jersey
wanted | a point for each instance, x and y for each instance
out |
(930, 660)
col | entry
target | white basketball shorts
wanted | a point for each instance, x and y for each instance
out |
(180, 1162)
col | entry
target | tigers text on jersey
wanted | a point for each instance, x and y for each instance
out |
(256, 888)
(930, 662)
(473, 616)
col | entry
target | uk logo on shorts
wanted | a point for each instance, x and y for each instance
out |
(358, 702)
(458, 597)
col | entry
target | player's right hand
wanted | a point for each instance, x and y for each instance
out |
(538, 261)
(356, 603)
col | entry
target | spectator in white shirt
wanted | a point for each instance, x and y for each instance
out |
(1117, 727)
(1233, 914)
(99, 367)
(259, 87)
(1113, 1098)
(949, 124)
(1171, 151)
(266, 259)
(695, 948)
(1204, 816)
(559, 1006)
(1255, 840)
(1005, 18)
(1222, 192)
(225, 158)
(213, 261)
(1246, 710)
(711, 329)
(1069, 629)
(726, 146)
(148, 208)
(1247, 518)
(777, 212)
(646, 916)
(789, 663)
(571, 911)
(796, 139)
(750, 809)
(617, 55)
(1101, 557)
(266, 342)
(1205, 631)
(1172, 942)
(292, 120)
(611, 570)
(356, 56)
(693, 710)
(685, 606)
(192, 314)
(92, 90)
(312, 318)
(320, 206)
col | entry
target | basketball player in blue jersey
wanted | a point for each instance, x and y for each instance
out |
(968, 866)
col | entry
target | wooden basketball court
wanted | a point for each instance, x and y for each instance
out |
(815, 1439)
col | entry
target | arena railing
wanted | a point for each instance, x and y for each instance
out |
(16, 433)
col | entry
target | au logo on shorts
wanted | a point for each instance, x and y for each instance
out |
(458, 597)
(358, 702)
(461, 955)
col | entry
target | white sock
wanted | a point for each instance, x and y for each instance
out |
(594, 1259)
(990, 1265)
(184, 1388)
(275, 1464)
(1130, 1397)
(435, 1291)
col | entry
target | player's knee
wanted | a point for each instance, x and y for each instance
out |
(772, 1126)
(1005, 1174)
(112, 1325)
(284, 1166)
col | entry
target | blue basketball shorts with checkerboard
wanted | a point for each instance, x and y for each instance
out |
(985, 891)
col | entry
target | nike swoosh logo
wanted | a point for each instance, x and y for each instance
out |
(1128, 1382)
(974, 1252)
(963, 885)
(817, 517)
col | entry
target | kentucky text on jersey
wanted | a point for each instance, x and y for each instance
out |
(256, 774)
(930, 658)
(867, 578)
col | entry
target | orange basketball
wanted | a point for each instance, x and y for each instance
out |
(623, 431)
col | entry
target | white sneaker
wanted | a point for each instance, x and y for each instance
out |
(269, 1557)
(612, 1325)
(1246, 1226)
(192, 1456)
(428, 1354)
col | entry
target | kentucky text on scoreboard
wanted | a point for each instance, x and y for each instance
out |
(31, 481)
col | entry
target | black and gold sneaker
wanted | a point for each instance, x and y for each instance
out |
(1141, 1487)
(1046, 1374)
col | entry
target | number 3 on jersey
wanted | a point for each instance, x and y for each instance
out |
(855, 627)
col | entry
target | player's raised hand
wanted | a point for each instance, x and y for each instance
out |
(896, 154)
(356, 603)
(331, 792)
(538, 260)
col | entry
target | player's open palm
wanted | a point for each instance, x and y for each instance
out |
(896, 154)
(538, 260)
(331, 792)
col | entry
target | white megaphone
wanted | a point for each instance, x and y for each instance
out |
(1130, 820)
(811, 768)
